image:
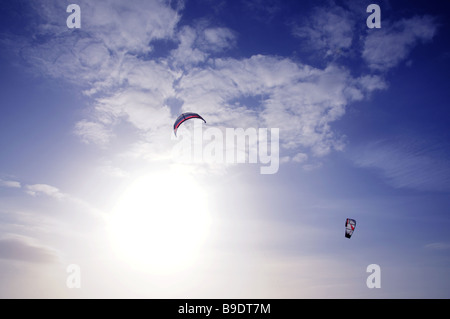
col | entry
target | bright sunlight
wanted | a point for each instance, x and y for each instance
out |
(160, 221)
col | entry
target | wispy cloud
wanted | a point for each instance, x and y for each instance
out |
(438, 246)
(264, 10)
(55, 193)
(199, 42)
(44, 189)
(407, 163)
(327, 30)
(93, 132)
(9, 184)
(331, 32)
(386, 47)
(14, 247)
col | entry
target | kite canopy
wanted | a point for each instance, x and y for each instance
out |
(184, 117)
(350, 225)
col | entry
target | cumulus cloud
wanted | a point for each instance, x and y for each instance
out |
(92, 55)
(289, 99)
(109, 57)
(267, 91)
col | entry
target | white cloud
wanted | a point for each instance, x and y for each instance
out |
(300, 157)
(217, 39)
(186, 53)
(38, 189)
(93, 132)
(142, 102)
(300, 100)
(198, 43)
(9, 184)
(327, 30)
(144, 109)
(92, 56)
(131, 30)
(110, 60)
(369, 83)
(114, 171)
(386, 47)
(331, 32)
(113, 22)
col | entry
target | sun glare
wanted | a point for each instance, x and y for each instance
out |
(160, 221)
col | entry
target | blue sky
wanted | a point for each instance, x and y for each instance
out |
(88, 176)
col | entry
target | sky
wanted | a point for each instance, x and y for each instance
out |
(99, 198)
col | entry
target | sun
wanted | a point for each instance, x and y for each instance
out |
(161, 221)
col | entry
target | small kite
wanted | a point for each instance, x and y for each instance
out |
(184, 117)
(350, 225)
